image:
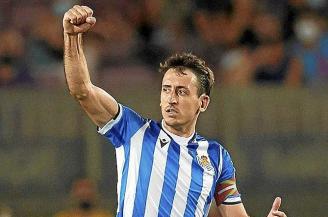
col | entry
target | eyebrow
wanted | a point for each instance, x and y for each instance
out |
(179, 87)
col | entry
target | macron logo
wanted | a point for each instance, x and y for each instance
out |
(163, 142)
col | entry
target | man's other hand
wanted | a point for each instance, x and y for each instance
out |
(274, 212)
(78, 19)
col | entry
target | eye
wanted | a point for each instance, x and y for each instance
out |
(182, 92)
(165, 89)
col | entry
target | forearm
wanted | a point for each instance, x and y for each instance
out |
(76, 69)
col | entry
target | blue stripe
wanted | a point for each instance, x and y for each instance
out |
(195, 185)
(170, 180)
(208, 202)
(145, 168)
(124, 178)
(206, 207)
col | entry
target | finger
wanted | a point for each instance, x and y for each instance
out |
(88, 10)
(83, 27)
(276, 204)
(81, 11)
(279, 213)
(70, 17)
(79, 16)
(67, 17)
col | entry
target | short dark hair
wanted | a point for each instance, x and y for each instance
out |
(198, 66)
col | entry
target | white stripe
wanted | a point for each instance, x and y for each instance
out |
(232, 199)
(111, 123)
(157, 177)
(183, 183)
(120, 159)
(227, 188)
(133, 172)
(220, 163)
(207, 181)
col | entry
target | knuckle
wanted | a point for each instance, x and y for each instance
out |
(89, 10)
(83, 12)
(71, 11)
(86, 7)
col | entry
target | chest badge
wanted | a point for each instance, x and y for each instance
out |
(204, 162)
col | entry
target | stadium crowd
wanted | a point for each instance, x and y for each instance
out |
(247, 42)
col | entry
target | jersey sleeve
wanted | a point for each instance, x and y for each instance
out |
(226, 191)
(120, 129)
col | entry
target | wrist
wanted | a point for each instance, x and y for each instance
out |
(69, 34)
(73, 38)
(73, 42)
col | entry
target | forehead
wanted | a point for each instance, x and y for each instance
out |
(180, 78)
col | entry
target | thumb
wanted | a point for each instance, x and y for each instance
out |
(91, 20)
(276, 204)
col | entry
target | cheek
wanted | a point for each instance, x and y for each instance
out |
(162, 101)
(191, 107)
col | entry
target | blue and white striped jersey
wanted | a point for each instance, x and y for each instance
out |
(162, 174)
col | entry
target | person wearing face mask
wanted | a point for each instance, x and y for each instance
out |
(84, 196)
(311, 48)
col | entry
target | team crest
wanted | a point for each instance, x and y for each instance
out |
(204, 162)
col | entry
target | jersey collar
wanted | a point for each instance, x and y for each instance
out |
(178, 139)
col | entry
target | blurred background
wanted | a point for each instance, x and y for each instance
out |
(269, 105)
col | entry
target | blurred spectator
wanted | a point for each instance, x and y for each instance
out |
(311, 47)
(236, 67)
(85, 198)
(149, 20)
(13, 68)
(245, 41)
(45, 47)
(261, 55)
(113, 35)
(272, 61)
(219, 26)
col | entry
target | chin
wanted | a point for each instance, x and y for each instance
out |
(170, 121)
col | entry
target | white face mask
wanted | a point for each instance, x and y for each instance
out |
(307, 31)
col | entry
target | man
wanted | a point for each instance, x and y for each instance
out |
(164, 169)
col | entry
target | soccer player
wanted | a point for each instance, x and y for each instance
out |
(164, 168)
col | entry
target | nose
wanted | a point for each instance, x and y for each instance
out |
(173, 99)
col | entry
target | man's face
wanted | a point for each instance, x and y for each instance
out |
(180, 103)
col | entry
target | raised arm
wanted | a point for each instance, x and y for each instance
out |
(98, 104)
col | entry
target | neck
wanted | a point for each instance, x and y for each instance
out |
(183, 131)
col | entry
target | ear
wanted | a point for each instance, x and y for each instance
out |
(204, 102)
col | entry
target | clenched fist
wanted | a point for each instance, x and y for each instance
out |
(78, 19)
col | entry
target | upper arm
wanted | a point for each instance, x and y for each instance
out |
(227, 201)
(226, 191)
(99, 105)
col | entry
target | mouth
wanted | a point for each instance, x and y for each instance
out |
(171, 110)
